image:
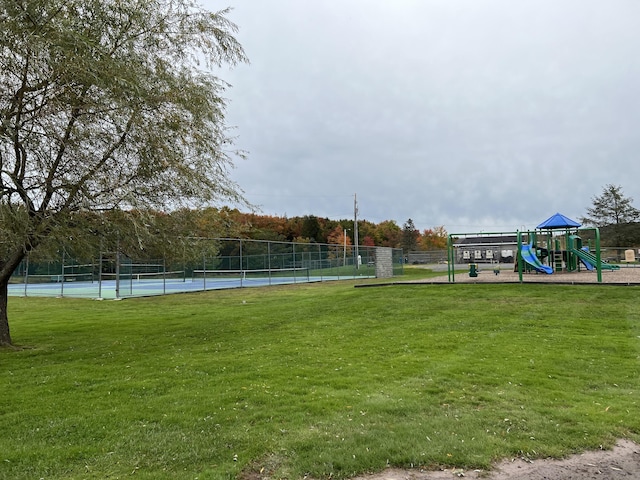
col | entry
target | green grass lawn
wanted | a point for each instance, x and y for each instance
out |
(324, 380)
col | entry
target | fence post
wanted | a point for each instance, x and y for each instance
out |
(204, 270)
(118, 268)
(269, 262)
(26, 276)
(100, 272)
(241, 266)
(62, 271)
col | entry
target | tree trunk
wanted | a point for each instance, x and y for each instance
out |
(6, 270)
(5, 334)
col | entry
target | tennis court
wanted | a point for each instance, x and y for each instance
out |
(192, 265)
(148, 284)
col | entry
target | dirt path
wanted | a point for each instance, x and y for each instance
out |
(622, 462)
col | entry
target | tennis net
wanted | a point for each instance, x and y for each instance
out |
(58, 278)
(145, 277)
(264, 276)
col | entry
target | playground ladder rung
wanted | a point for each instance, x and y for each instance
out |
(557, 259)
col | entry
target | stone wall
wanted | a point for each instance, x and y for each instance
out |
(384, 262)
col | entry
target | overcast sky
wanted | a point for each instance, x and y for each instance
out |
(472, 114)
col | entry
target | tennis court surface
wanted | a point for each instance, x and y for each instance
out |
(140, 285)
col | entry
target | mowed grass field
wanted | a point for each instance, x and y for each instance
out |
(317, 380)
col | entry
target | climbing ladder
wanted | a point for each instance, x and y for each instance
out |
(557, 261)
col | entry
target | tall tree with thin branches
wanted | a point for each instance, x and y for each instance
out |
(108, 104)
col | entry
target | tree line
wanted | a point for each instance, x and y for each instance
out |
(313, 229)
(150, 233)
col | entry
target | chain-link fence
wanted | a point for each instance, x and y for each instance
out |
(192, 264)
(426, 257)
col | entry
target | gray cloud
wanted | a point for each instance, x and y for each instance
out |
(473, 115)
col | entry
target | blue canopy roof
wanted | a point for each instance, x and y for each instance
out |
(558, 221)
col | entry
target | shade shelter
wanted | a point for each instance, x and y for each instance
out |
(558, 221)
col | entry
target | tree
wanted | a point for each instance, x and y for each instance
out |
(434, 238)
(388, 234)
(104, 104)
(311, 228)
(366, 229)
(410, 236)
(368, 242)
(340, 243)
(611, 208)
(338, 236)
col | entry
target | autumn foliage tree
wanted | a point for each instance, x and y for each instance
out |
(367, 241)
(341, 241)
(434, 239)
(388, 234)
(338, 236)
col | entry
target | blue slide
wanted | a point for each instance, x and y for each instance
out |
(529, 256)
(588, 265)
(590, 260)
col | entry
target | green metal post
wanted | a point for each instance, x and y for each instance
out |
(598, 255)
(450, 261)
(519, 256)
(566, 248)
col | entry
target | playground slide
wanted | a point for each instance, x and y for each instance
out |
(529, 256)
(590, 258)
(588, 265)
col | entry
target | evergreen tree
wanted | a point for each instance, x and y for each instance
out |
(410, 236)
(611, 208)
(615, 214)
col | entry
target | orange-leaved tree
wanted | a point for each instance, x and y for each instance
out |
(434, 238)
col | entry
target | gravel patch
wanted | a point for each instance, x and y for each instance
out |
(621, 462)
(624, 276)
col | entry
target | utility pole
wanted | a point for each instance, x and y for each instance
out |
(355, 230)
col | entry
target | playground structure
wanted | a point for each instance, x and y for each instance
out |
(554, 246)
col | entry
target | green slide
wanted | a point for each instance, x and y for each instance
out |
(590, 259)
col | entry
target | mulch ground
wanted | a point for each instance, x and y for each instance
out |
(624, 276)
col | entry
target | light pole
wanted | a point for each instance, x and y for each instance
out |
(344, 255)
(355, 232)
